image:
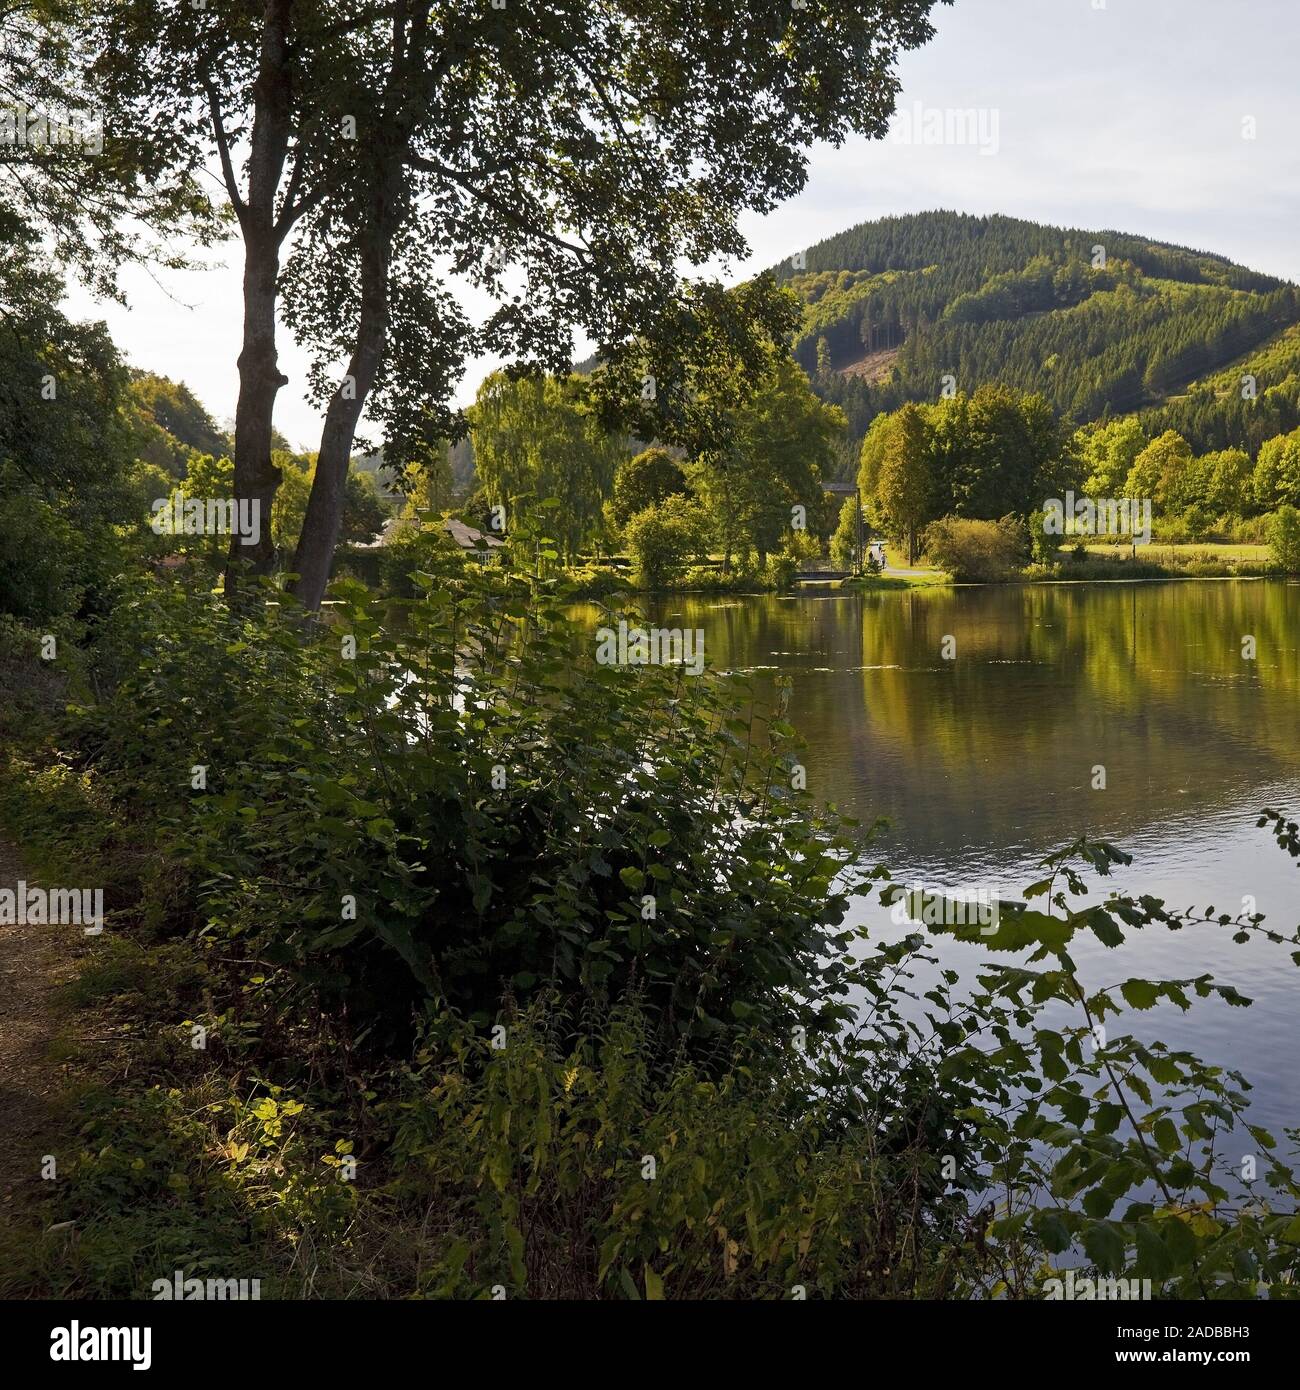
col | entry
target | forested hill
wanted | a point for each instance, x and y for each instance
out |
(1099, 322)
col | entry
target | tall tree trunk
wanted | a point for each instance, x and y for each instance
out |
(324, 517)
(256, 477)
(379, 220)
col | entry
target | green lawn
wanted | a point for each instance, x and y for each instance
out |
(919, 579)
(1214, 550)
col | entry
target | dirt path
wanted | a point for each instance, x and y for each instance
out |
(35, 961)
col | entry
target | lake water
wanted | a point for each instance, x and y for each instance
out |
(984, 762)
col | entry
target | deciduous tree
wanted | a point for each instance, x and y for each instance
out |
(906, 487)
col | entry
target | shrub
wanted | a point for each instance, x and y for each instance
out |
(1045, 544)
(980, 552)
(626, 1177)
(1251, 530)
(413, 549)
(38, 577)
(1284, 539)
(595, 582)
(710, 579)
(664, 539)
(779, 572)
(580, 827)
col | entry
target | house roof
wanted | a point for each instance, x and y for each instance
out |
(467, 537)
(391, 528)
(470, 537)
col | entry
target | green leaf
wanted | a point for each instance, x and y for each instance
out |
(1073, 1106)
(1104, 927)
(1105, 1247)
(1140, 994)
(1052, 1231)
(1154, 1260)
(1162, 1069)
(1098, 1203)
(1106, 1118)
(1179, 1240)
(1165, 1133)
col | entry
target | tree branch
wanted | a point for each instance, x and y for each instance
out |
(430, 166)
(223, 149)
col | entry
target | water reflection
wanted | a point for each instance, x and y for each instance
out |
(985, 762)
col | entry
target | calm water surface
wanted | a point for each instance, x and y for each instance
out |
(984, 763)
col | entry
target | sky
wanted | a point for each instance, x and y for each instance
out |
(1131, 115)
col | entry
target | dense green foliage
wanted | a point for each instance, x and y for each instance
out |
(976, 457)
(645, 480)
(750, 490)
(477, 852)
(768, 481)
(664, 538)
(1241, 406)
(67, 475)
(979, 552)
(171, 423)
(1284, 539)
(538, 437)
(969, 458)
(598, 1005)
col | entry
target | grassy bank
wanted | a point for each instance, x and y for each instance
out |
(1210, 561)
(884, 583)
(1107, 563)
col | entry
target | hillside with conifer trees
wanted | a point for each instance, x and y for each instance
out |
(1100, 323)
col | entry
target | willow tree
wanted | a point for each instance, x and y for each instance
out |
(537, 437)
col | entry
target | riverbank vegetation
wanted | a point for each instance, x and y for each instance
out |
(441, 960)
(991, 486)
(462, 965)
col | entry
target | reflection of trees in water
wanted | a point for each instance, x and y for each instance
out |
(1147, 679)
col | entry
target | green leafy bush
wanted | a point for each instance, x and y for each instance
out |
(1284, 539)
(664, 539)
(978, 552)
(460, 805)
(569, 1163)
